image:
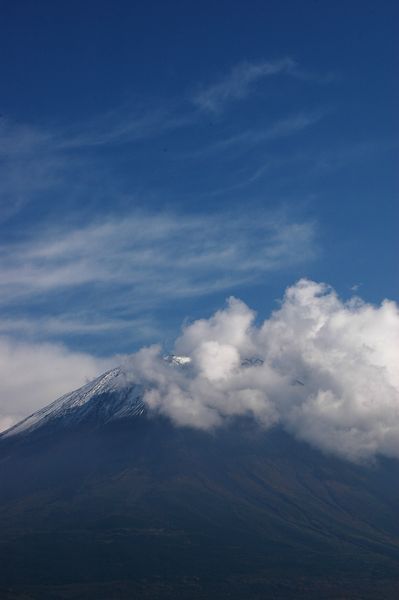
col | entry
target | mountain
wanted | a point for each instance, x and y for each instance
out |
(100, 499)
(107, 398)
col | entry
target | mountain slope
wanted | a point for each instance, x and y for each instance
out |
(97, 506)
(106, 398)
(109, 397)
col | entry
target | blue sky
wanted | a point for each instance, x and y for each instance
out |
(156, 158)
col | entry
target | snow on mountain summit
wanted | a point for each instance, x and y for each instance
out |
(175, 360)
(109, 397)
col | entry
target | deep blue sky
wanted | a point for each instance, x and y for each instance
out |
(157, 157)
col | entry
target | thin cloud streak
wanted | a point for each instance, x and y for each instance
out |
(126, 127)
(279, 129)
(52, 327)
(153, 258)
(40, 159)
(238, 83)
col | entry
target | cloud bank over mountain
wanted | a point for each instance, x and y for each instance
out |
(324, 369)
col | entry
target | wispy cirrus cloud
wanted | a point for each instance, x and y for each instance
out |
(126, 126)
(65, 159)
(20, 139)
(143, 260)
(81, 324)
(239, 82)
(29, 164)
(38, 161)
(123, 124)
(147, 259)
(243, 77)
(279, 129)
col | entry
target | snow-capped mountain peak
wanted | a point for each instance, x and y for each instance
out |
(109, 397)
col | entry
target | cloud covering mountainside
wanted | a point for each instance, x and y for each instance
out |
(324, 369)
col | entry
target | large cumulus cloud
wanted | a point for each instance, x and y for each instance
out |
(324, 369)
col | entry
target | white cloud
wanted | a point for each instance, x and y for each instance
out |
(146, 260)
(124, 125)
(329, 373)
(238, 83)
(28, 166)
(323, 369)
(38, 159)
(240, 142)
(279, 129)
(83, 324)
(33, 375)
